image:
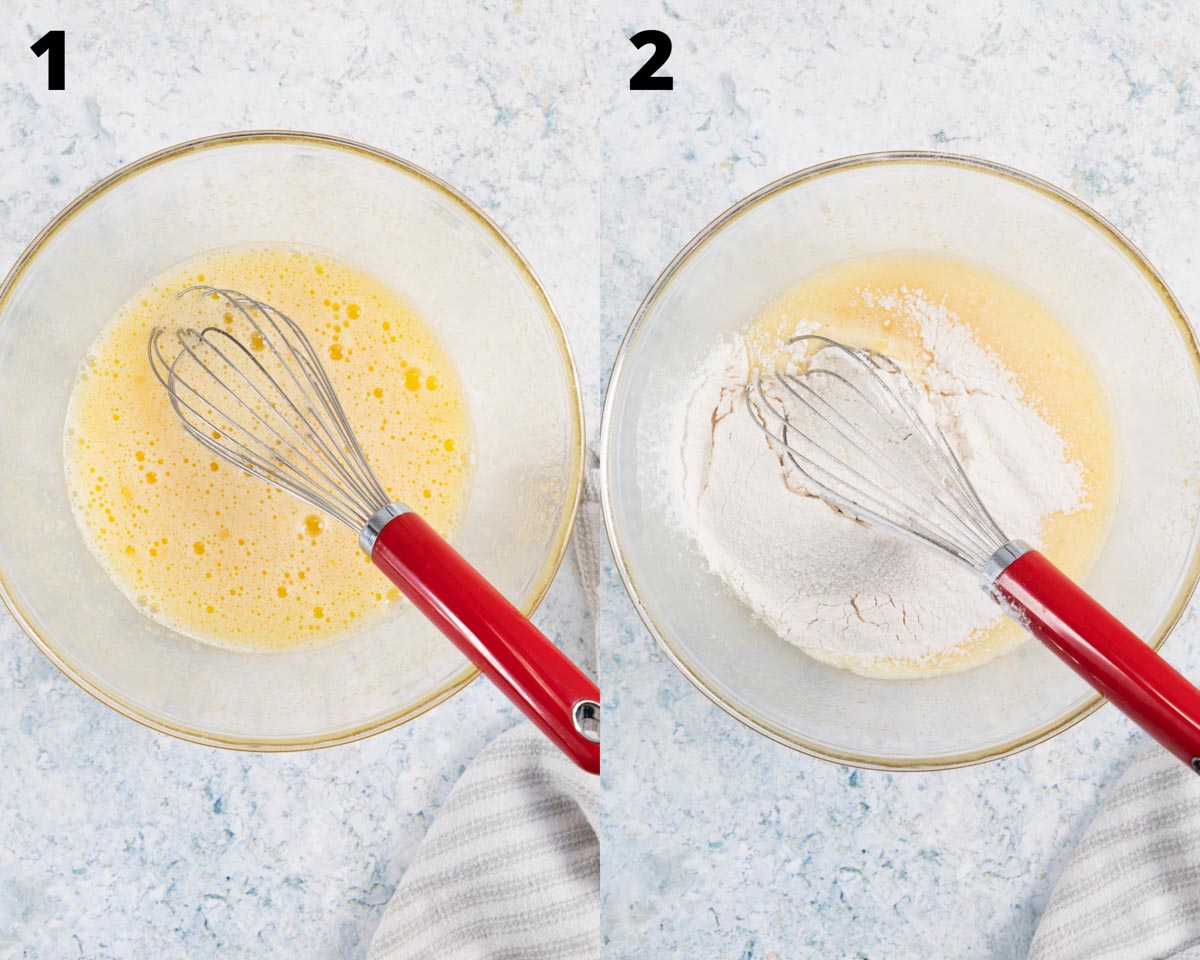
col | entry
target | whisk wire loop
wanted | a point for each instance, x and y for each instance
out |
(308, 441)
(259, 398)
(834, 486)
(857, 430)
(339, 430)
(335, 433)
(956, 483)
(268, 465)
(908, 492)
(842, 428)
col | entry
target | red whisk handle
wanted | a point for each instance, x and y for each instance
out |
(493, 634)
(1100, 648)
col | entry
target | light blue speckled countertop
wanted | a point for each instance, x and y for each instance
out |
(117, 842)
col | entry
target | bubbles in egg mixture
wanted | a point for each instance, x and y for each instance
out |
(205, 548)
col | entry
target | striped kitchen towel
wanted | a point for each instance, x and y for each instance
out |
(1131, 890)
(510, 869)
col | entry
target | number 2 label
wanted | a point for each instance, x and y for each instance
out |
(645, 78)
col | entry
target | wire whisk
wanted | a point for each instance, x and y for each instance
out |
(249, 386)
(865, 439)
(253, 391)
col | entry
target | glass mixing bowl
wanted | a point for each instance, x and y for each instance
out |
(1028, 231)
(447, 259)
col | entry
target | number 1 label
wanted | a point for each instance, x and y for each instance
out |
(55, 44)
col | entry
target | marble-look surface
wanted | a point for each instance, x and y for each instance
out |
(717, 843)
(116, 842)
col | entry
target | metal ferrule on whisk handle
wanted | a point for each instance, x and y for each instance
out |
(861, 436)
(253, 391)
(1000, 561)
(374, 526)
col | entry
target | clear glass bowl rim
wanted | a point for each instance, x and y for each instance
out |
(629, 343)
(113, 698)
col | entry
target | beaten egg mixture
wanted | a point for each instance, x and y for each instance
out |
(210, 551)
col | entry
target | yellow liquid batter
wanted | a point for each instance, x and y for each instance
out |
(1048, 364)
(212, 552)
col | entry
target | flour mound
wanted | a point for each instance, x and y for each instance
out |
(838, 589)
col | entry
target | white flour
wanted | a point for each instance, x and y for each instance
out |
(839, 590)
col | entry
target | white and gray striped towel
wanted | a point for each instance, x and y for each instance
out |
(510, 870)
(1131, 890)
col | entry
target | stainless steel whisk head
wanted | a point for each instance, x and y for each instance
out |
(252, 390)
(864, 439)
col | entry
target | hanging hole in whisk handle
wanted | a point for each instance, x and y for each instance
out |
(586, 718)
